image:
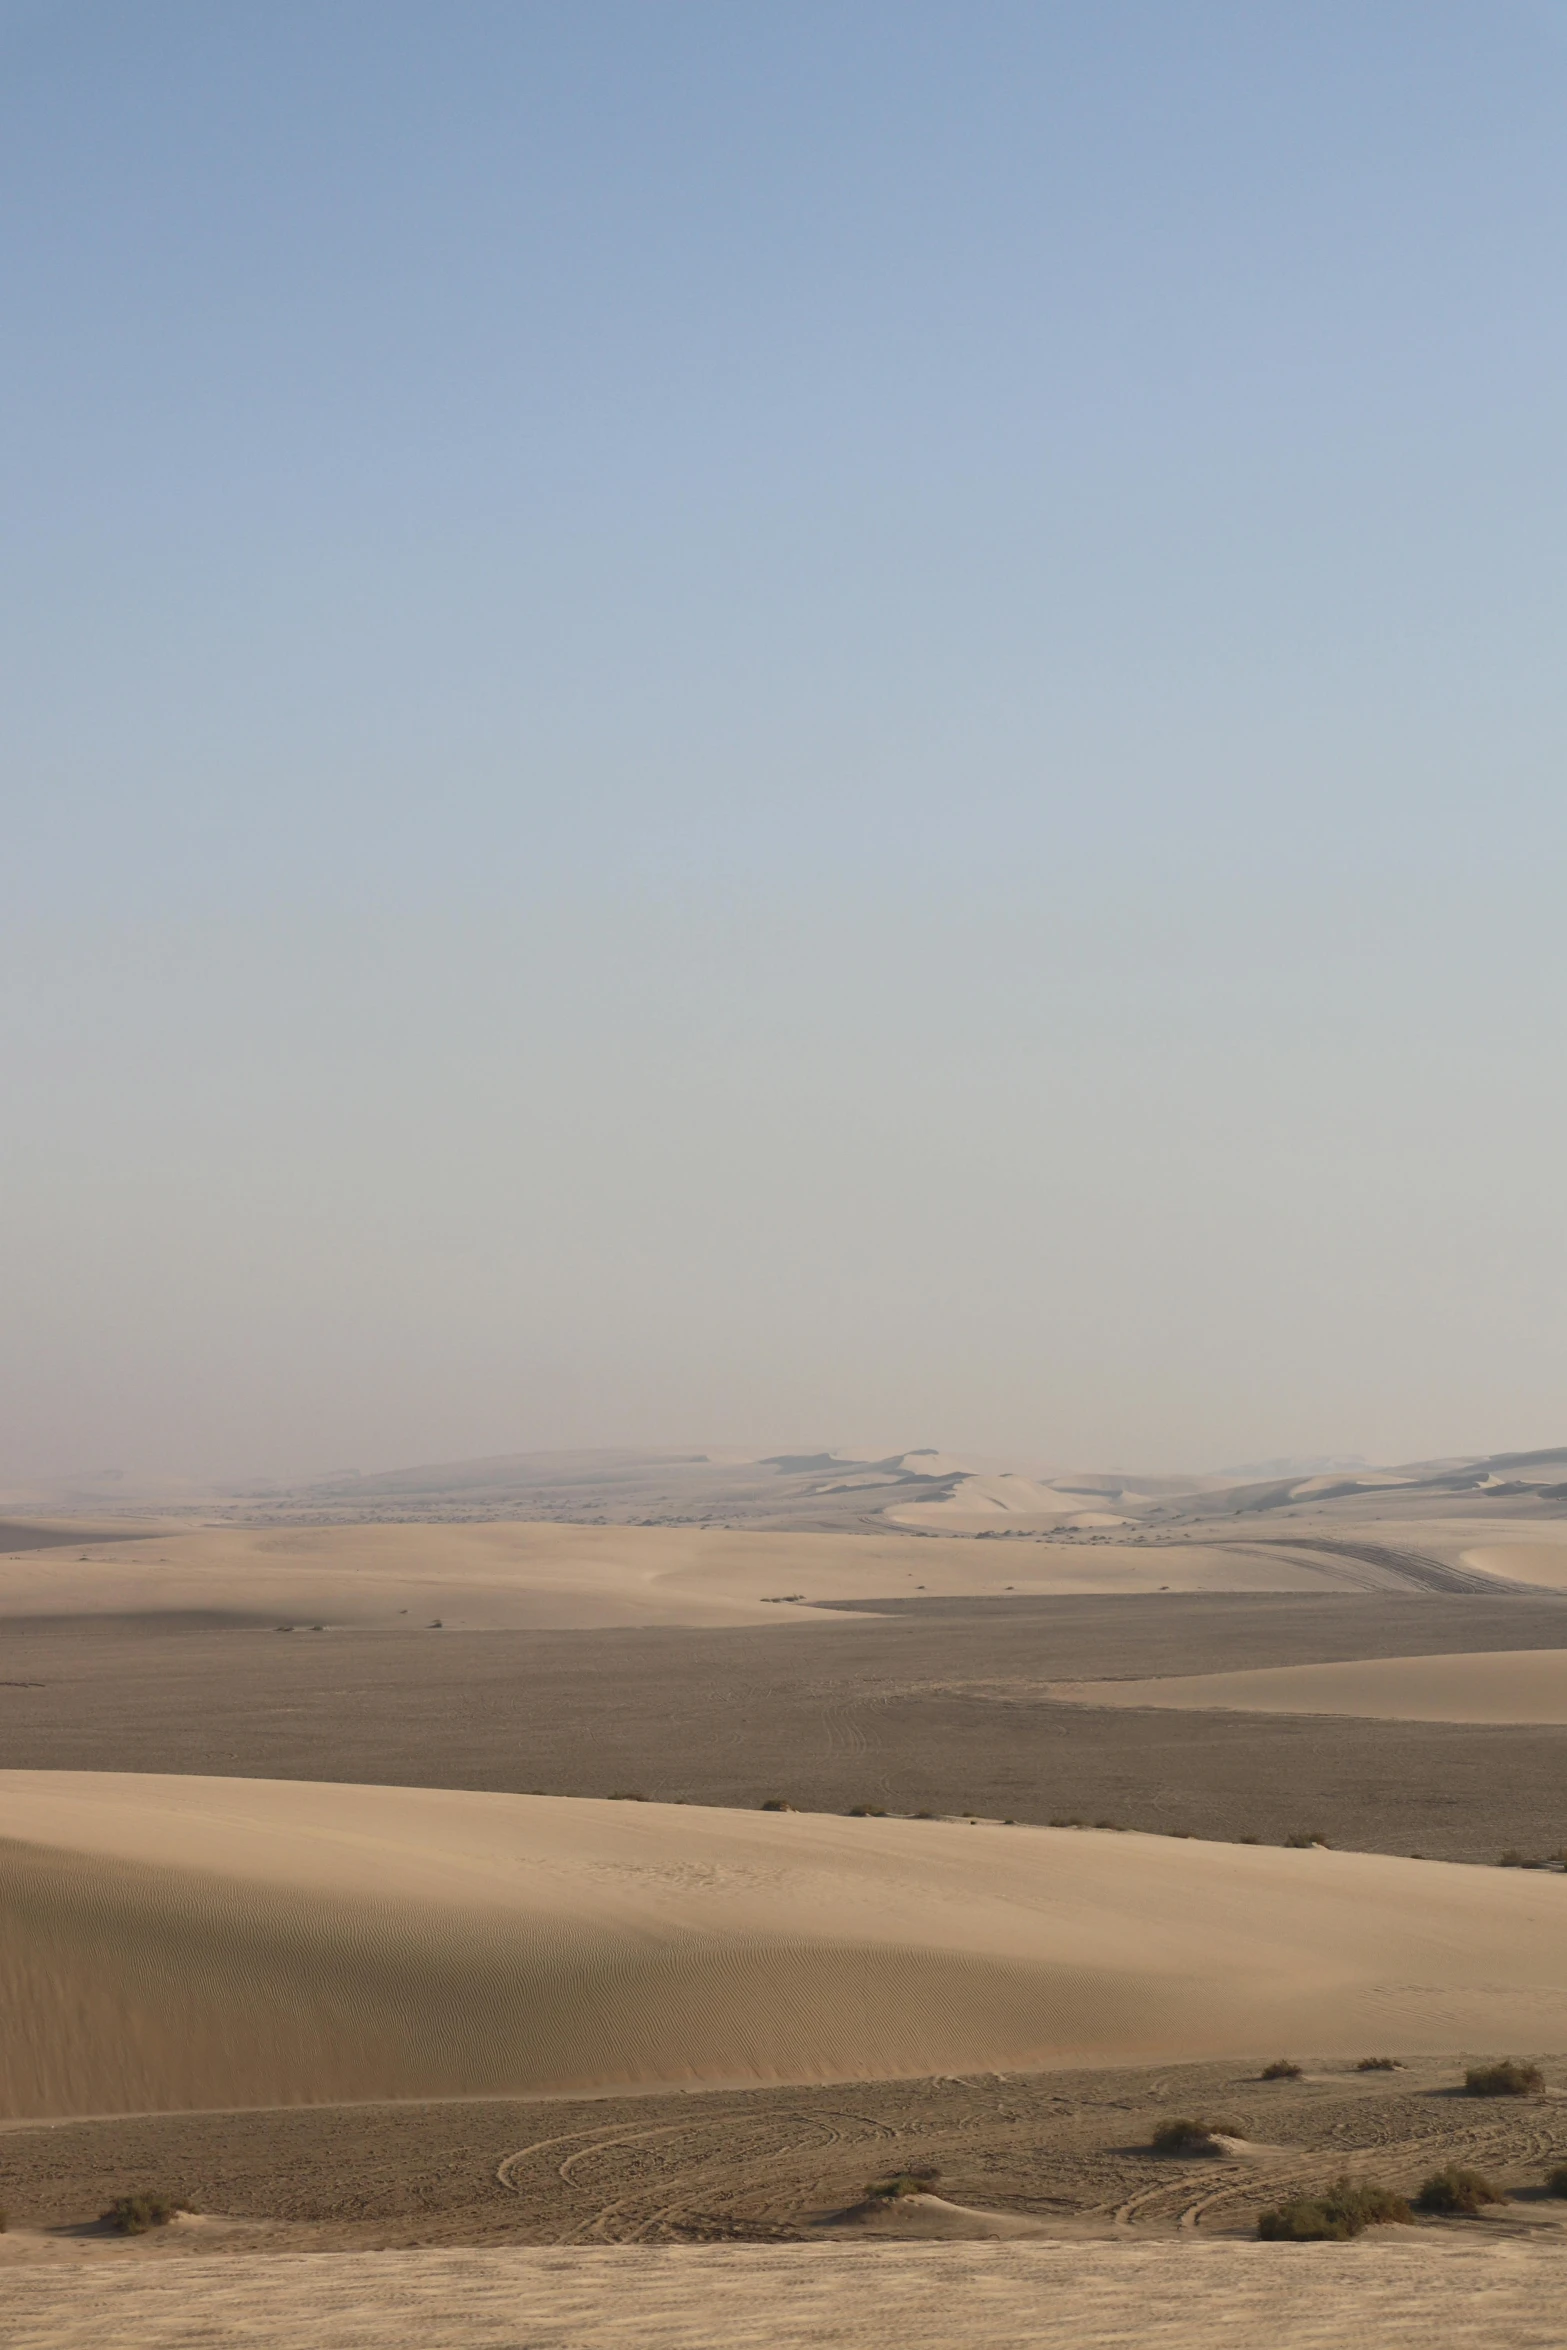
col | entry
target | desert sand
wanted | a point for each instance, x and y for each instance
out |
(501, 1576)
(1398, 2293)
(1504, 1686)
(180, 1942)
(1541, 1563)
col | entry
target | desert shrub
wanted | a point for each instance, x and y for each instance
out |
(924, 1815)
(866, 1811)
(1185, 2135)
(777, 1803)
(1457, 2189)
(1303, 1840)
(1114, 1826)
(1281, 2069)
(1512, 1858)
(1303, 2221)
(1556, 2180)
(1507, 2079)
(1342, 2210)
(1377, 2064)
(1248, 1839)
(133, 2215)
(903, 2182)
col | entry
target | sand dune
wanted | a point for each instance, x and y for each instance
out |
(1517, 1685)
(496, 1575)
(175, 1942)
(1544, 1563)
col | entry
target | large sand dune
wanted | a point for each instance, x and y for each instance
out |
(1519, 1685)
(496, 1576)
(177, 1942)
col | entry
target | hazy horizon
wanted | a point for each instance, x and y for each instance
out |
(825, 726)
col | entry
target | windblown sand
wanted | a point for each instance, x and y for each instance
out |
(1522, 1685)
(1388, 2291)
(176, 1942)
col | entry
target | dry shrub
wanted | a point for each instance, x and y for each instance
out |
(903, 2182)
(1378, 2064)
(134, 2215)
(1183, 2134)
(1507, 2079)
(1342, 2210)
(1455, 2189)
(1281, 2069)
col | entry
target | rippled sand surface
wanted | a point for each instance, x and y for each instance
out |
(1464, 2295)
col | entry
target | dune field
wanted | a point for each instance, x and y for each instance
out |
(182, 1942)
(504, 1576)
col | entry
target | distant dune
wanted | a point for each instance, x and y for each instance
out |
(1523, 1685)
(180, 1942)
(499, 1576)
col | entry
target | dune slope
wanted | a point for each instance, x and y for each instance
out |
(173, 1942)
(1518, 1685)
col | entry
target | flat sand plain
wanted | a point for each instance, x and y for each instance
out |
(1499, 1686)
(205, 1942)
(933, 1704)
(1064, 2152)
(1396, 2294)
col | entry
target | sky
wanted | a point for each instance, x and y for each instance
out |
(747, 725)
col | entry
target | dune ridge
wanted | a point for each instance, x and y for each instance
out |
(169, 1943)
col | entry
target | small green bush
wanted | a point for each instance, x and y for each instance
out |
(1457, 2189)
(1183, 2134)
(1342, 2210)
(1378, 2064)
(134, 2215)
(1281, 2069)
(1507, 2079)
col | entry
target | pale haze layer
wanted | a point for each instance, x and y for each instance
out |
(745, 726)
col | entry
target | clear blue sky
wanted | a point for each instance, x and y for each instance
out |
(734, 723)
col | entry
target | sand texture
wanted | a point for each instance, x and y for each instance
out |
(204, 1942)
(1524, 1685)
(1393, 2291)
